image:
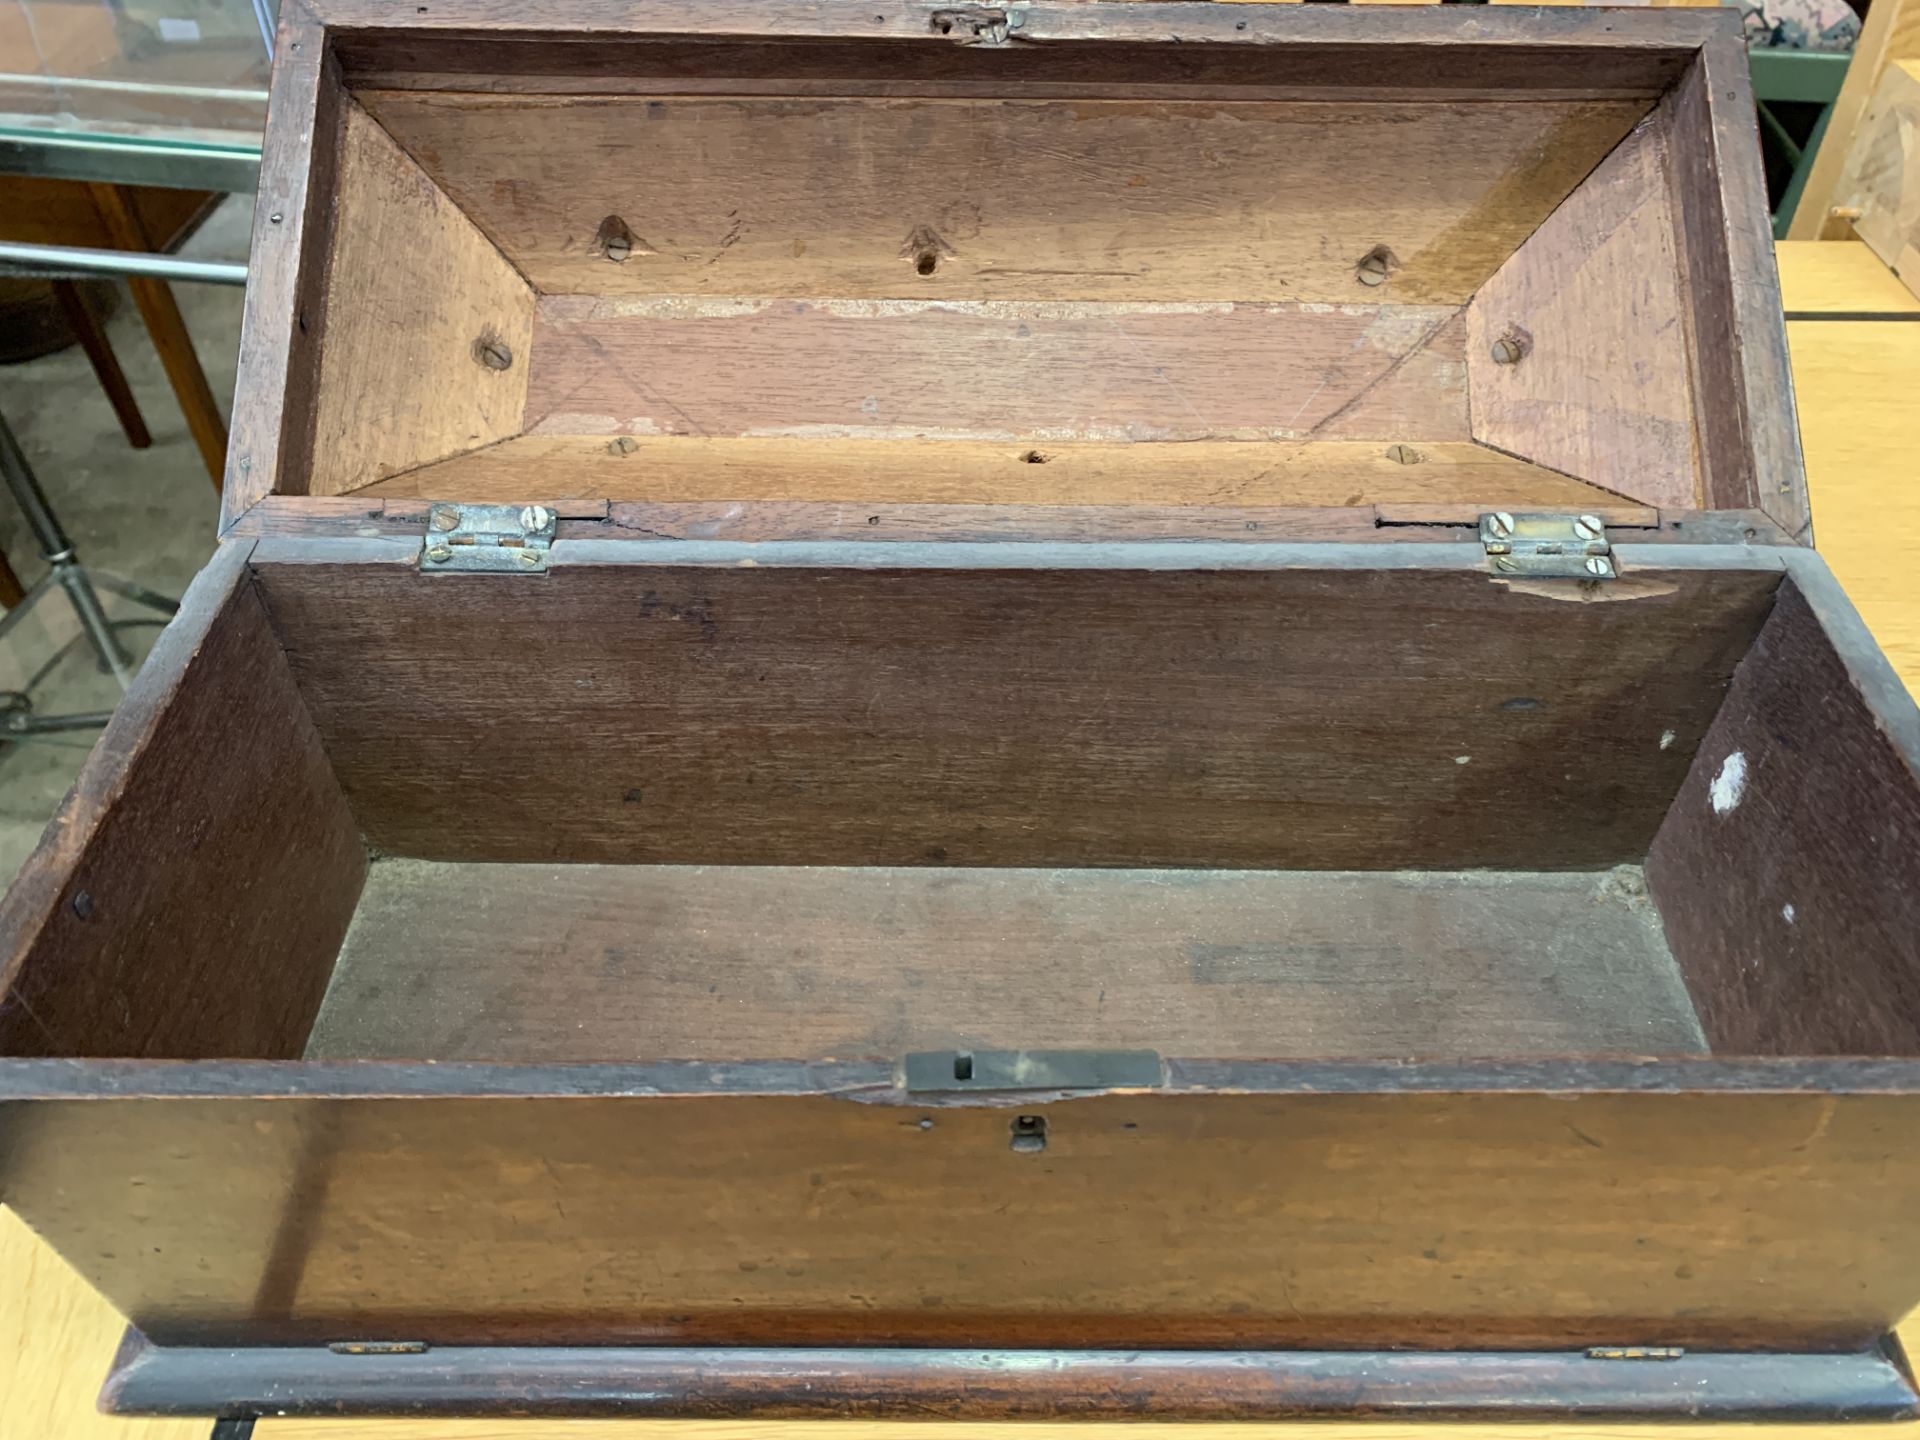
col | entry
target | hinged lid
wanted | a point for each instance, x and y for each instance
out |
(1572, 547)
(487, 537)
(487, 273)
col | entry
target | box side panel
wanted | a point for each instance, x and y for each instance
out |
(1736, 336)
(1788, 871)
(189, 897)
(1517, 1221)
(1012, 198)
(280, 332)
(1014, 705)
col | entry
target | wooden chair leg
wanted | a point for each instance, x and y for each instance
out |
(12, 592)
(169, 332)
(93, 339)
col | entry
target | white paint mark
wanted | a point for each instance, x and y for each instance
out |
(1667, 737)
(1730, 784)
(1786, 912)
(1461, 759)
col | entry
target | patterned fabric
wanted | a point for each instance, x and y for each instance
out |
(1801, 24)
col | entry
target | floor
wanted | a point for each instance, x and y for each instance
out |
(1854, 380)
(144, 515)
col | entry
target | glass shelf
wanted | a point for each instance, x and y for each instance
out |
(151, 92)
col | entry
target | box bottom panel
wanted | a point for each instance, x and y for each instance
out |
(985, 1384)
(592, 963)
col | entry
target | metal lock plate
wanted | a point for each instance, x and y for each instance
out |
(1551, 547)
(468, 538)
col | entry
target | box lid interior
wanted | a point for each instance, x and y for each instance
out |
(708, 289)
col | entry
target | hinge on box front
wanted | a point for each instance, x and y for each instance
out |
(1548, 547)
(1636, 1352)
(487, 537)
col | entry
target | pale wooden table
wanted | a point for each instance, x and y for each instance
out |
(1857, 381)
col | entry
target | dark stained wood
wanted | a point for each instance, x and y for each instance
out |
(880, 369)
(620, 963)
(1259, 1220)
(1005, 1384)
(168, 330)
(1749, 440)
(281, 329)
(92, 336)
(1181, 705)
(1485, 53)
(12, 592)
(189, 896)
(1787, 868)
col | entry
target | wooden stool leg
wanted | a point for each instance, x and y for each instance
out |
(169, 332)
(93, 339)
(12, 592)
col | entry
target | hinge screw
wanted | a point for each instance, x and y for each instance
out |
(492, 353)
(1501, 525)
(1598, 566)
(439, 554)
(1404, 455)
(445, 517)
(536, 517)
(529, 558)
(1588, 527)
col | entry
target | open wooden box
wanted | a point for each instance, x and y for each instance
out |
(1011, 841)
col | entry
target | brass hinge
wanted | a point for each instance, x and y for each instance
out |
(1548, 547)
(467, 538)
(1636, 1352)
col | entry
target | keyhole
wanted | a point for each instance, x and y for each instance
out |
(1029, 1134)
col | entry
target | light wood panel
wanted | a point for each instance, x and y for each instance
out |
(1006, 198)
(589, 963)
(1841, 276)
(1882, 178)
(1577, 347)
(1050, 370)
(563, 468)
(1890, 32)
(1857, 384)
(416, 302)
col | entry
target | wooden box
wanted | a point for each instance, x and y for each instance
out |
(1083, 709)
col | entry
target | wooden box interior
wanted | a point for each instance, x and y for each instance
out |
(869, 275)
(665, 809)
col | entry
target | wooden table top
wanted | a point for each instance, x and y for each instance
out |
(1855, 380)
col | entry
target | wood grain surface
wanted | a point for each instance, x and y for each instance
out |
(1005, 198)
(413, 293)
(1052, 370)
(830, 712)
(57, 1334)
(590, 963)
(189, 897)
(691, 469)
(271, 440)
(1247, 1220)
(1785, 871)
(1592, 375)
